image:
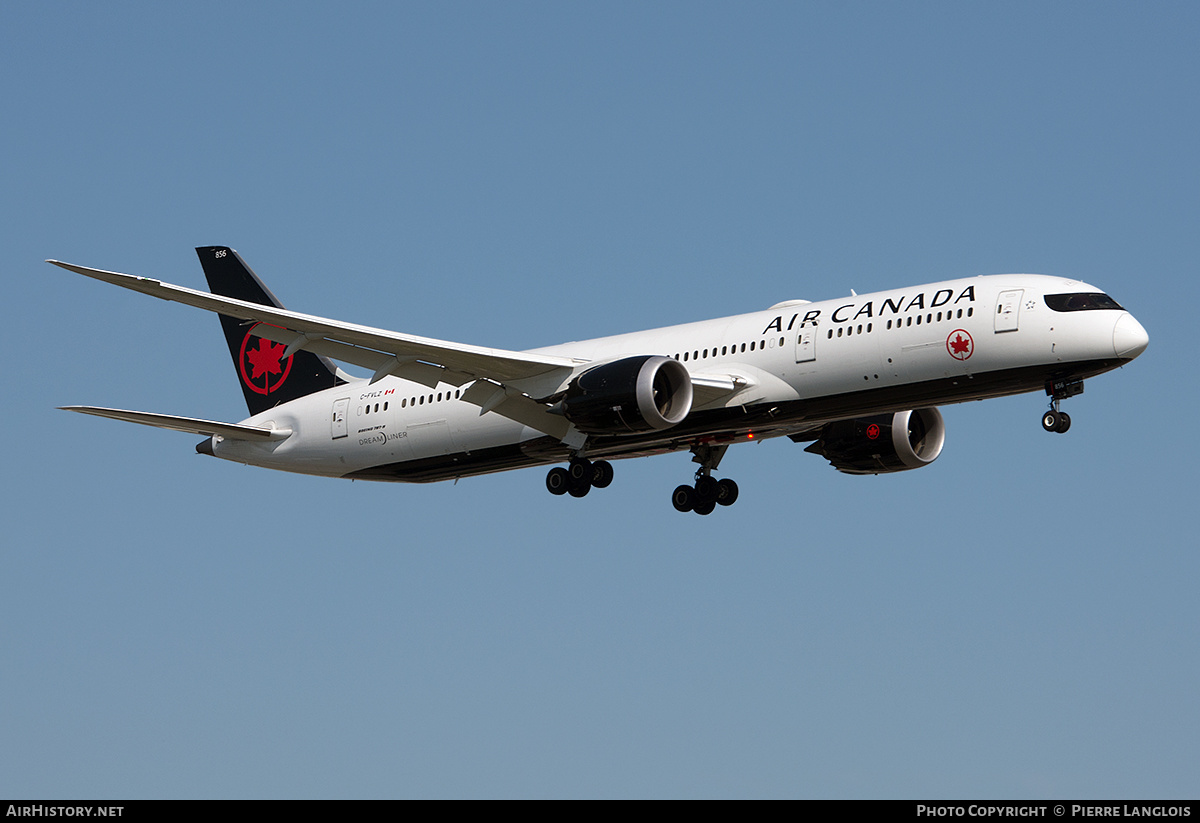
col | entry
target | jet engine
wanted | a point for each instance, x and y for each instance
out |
(636, 394)
(883, 443)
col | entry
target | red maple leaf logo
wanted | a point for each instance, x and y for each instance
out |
(959, 344)
(263, 364)
(265, 359)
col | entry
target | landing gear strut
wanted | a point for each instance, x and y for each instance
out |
(579, 477)
(1055, 420)
(708, 492)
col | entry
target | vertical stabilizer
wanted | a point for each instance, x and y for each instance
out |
(267, 379)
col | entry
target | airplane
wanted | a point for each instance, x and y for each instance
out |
(857, 378)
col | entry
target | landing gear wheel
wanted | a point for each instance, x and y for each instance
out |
(707, 488)
(580, 470)
(683, 498)
(602, 474)
(727, 492)
(579, 476)
(558, 480)
(705, 506)
(1064, 423)
(1051, 421)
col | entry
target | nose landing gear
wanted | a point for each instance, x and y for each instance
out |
(1055, 420)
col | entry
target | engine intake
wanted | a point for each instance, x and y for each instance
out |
(636, 394)
(883, 443)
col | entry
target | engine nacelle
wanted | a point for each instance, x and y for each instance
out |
(636, 394)
(883, 443)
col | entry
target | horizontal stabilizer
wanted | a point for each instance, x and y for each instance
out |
(192, 425)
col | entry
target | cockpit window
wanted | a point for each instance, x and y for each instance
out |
(1082, 301)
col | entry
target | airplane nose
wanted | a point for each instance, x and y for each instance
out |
(1129, 338)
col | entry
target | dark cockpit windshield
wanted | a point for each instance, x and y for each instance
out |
(1081, 301)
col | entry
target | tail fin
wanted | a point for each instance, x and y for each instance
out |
(266, 380)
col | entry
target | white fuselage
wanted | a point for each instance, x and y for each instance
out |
(795, 367)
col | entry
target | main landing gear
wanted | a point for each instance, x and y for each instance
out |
(705, 495)
(579, 477)
(707, 492)
(1059, 390)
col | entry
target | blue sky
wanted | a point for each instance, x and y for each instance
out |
(1017, 620)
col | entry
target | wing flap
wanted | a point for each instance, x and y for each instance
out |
(506, 402)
